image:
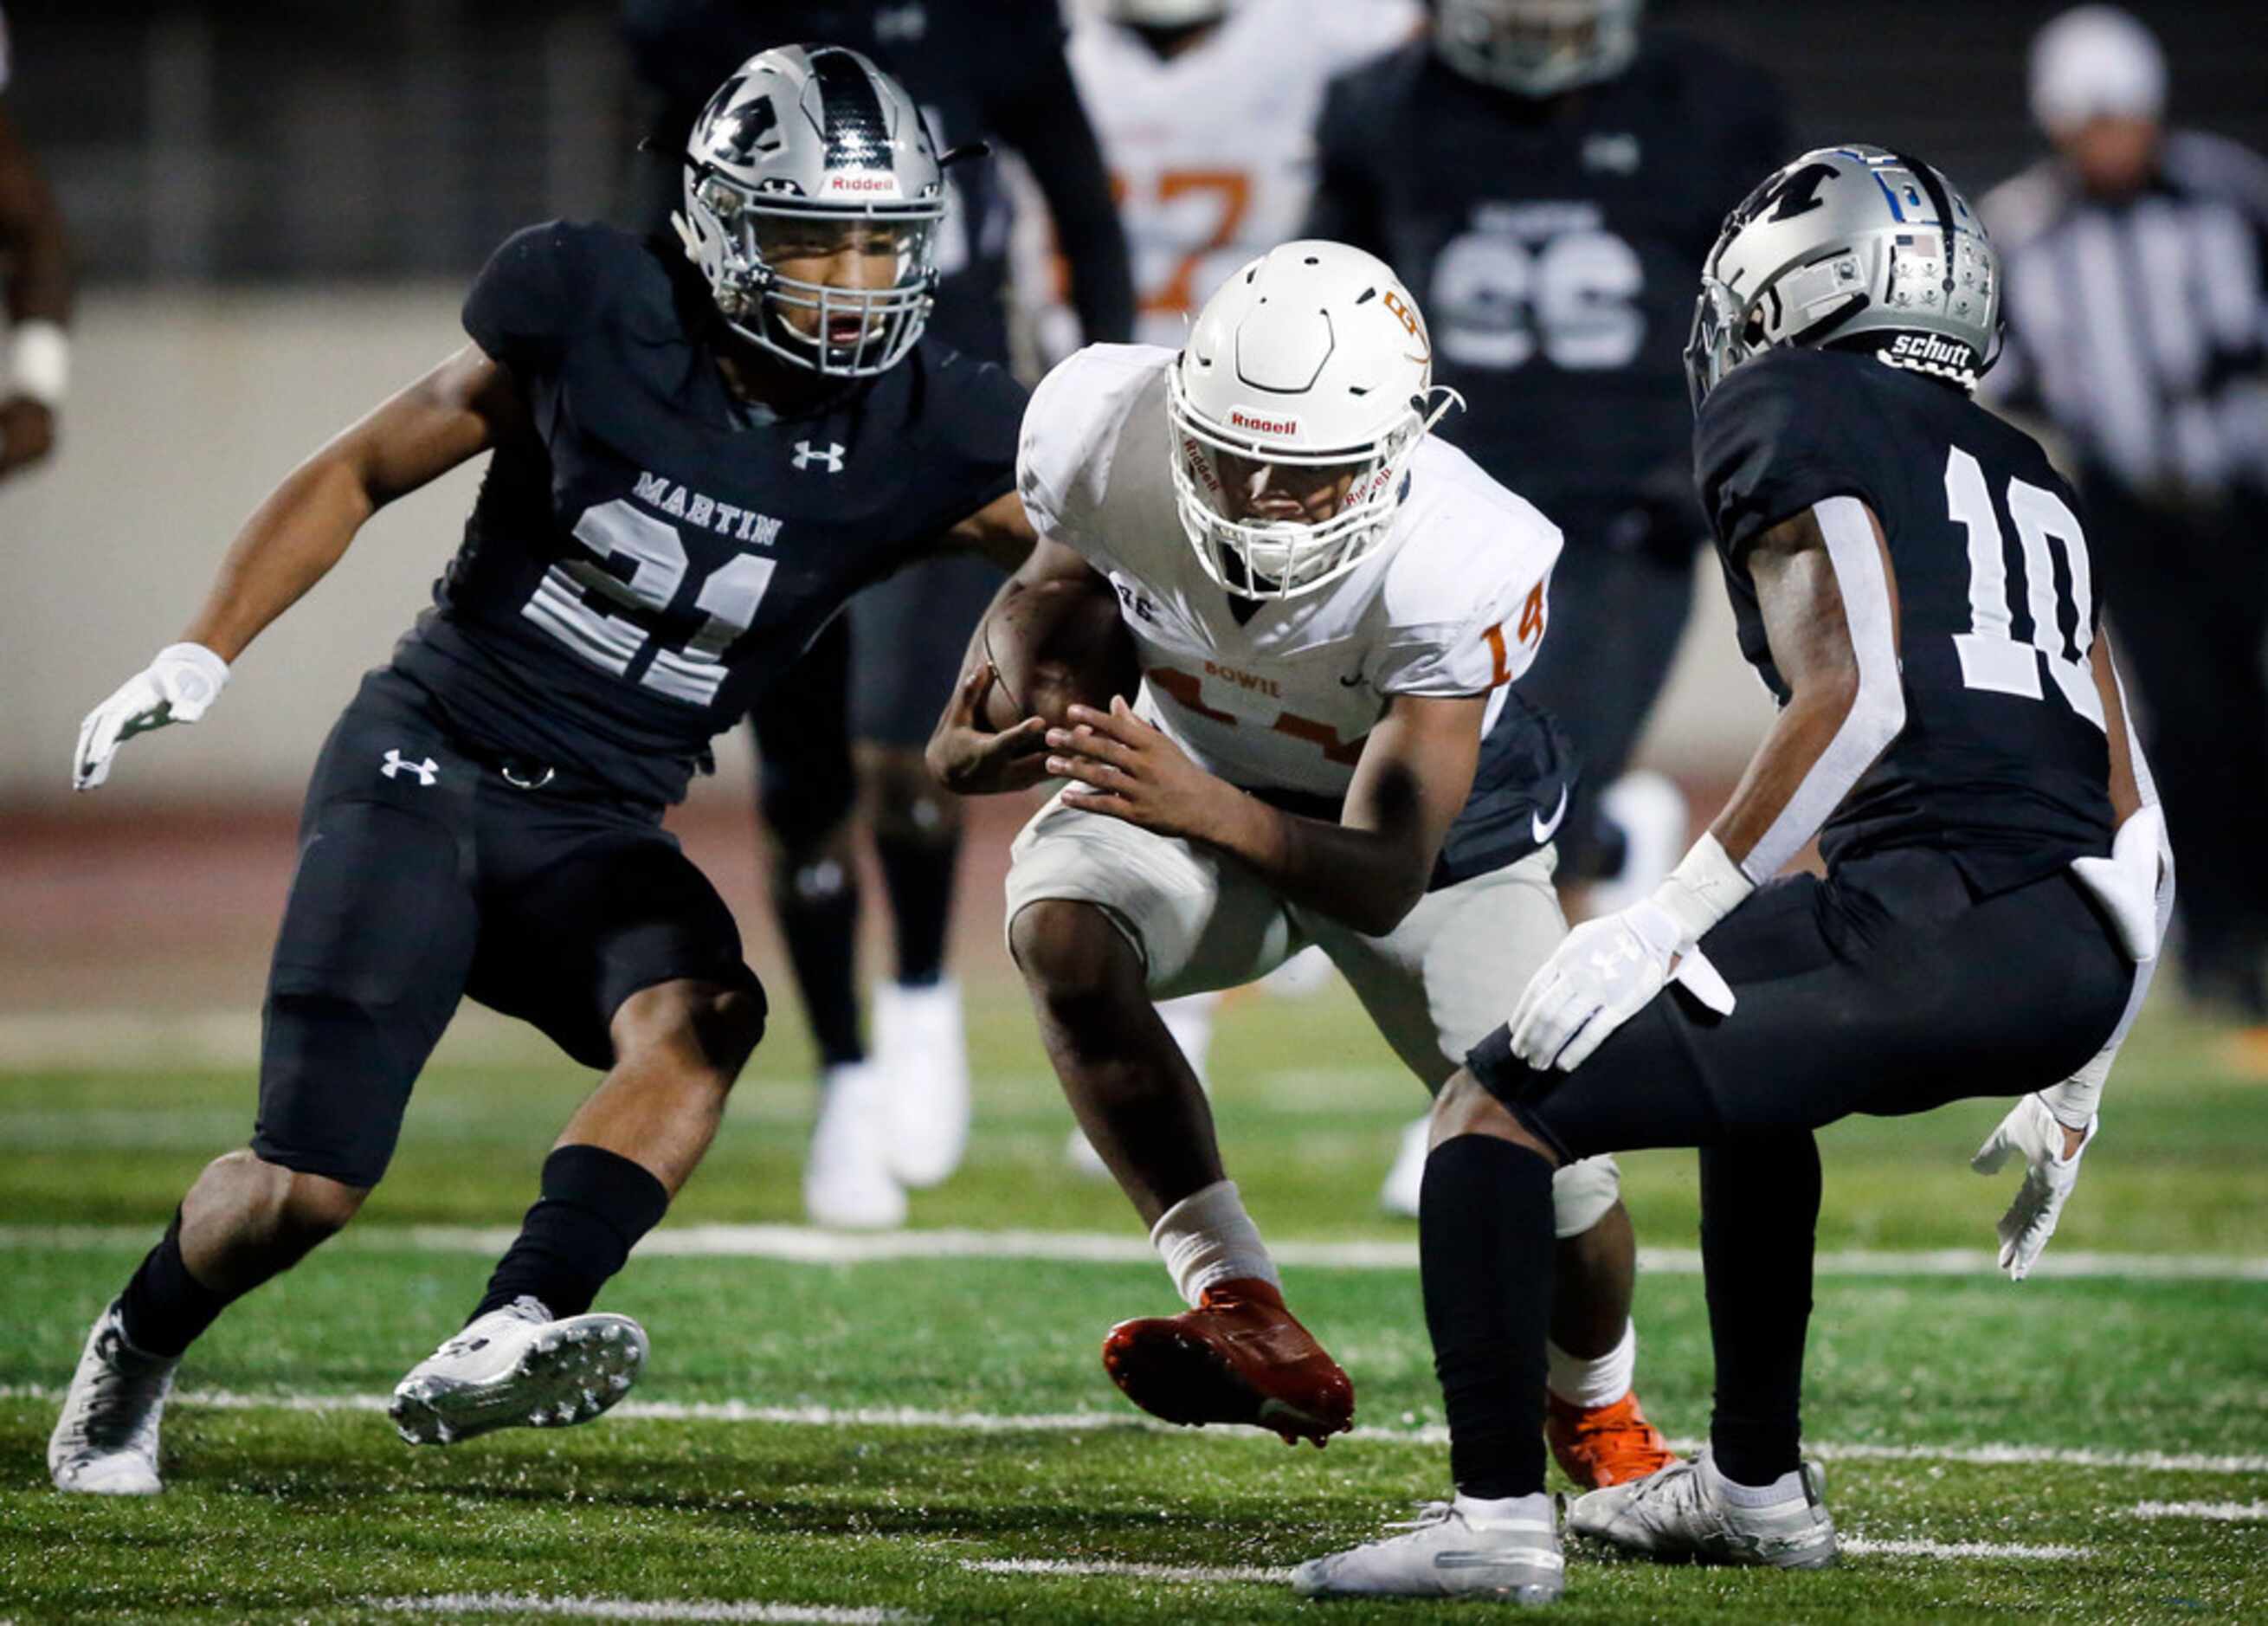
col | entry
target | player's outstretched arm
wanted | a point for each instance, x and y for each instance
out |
(2135, 886)
(37, 368)
(1368, 870)
(291, 541)
(1829, 604)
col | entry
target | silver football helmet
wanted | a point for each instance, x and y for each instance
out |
(1848, 247)
(1538, 47)
(806, 154)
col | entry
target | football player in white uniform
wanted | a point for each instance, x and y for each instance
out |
(1213, 164)
(1328, 606)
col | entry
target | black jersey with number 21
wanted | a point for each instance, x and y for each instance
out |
(2004, 762)
(631, 578)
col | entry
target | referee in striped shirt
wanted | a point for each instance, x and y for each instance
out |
(2137, 312)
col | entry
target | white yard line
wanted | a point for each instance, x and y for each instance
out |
(1869, 1547)
(2230, 1512)
(1855, 1546)
(636, 1609)
(803, 1246)
(1990, 1455)
(1188, 1574)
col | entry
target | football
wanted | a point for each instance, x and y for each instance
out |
(1056, 645)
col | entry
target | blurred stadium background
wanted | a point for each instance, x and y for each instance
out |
(275, 207)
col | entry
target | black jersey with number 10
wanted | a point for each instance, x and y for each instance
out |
(634, 576)
(2004, 762)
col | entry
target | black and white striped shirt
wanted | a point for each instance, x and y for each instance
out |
(2140, 327)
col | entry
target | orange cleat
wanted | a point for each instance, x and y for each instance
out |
(1601, 1445)
(1240, 1357)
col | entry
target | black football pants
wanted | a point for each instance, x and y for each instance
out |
(1888, 987)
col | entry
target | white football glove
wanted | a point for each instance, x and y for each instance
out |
(2126, 882)
(178, 686)
(2048, 1178)
(1606, 970)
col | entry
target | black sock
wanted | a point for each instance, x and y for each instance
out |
(164, 1308)
(595, 1206)
(920, 875)
(1484, 1244)
(1759, 1208)
(818, 904)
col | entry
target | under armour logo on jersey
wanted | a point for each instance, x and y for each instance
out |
(396, 765)
(1618, 153)
(807, 454)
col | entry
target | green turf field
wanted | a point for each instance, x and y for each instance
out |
(892, 1439)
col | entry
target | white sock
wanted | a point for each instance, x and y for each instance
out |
(1207, 1238)
(1589, 1383)
(1787, 1488)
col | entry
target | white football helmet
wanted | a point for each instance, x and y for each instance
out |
(1296, 405)
(800, 138)
(1538, 47)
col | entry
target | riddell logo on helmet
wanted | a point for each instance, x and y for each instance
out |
(1239, 418)
(862, 183)
(1927, 347)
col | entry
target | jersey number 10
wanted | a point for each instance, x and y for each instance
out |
(1990, 657)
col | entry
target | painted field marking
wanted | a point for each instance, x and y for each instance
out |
(1871, 1547)
(637, 1608)
(1856, 1546)
(2231, 1512)
(1189, 1574)
(1990, 1455)
(803, 1245)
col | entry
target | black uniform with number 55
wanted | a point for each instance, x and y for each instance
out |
(486, 817)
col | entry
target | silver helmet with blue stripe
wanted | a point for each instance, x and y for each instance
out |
(1852, 248)
(814, 192)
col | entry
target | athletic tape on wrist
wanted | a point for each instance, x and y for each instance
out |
(1704, 888)
(39, 362)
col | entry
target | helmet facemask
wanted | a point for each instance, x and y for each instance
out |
(857, 322)
(1270, 523)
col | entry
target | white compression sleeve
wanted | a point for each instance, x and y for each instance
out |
(1879, 710)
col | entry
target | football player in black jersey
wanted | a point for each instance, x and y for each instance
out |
(983, 71)
(1545, 174)
(695, 464)
(1911, 580)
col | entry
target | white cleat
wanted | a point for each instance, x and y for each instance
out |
(106, 1442)
(518, 1368)
(1681, 1512)
(1507, 1550)
(920, 1050)
(1406, 1179)
(847, 1183)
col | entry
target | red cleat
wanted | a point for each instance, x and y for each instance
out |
(1601, 1445)
(1240, 1357)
